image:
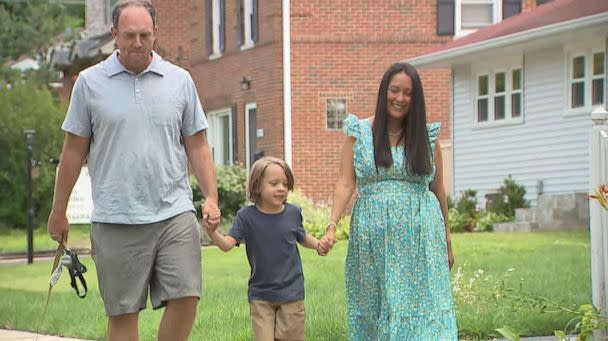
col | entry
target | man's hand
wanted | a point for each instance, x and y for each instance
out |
(58, 227)
(211, 215)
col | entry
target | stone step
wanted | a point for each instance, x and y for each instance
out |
(515, 227)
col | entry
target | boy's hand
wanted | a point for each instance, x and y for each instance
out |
(323, 247)
(211, 217)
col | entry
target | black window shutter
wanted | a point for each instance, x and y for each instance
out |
(222, 25)
(510, 8)
(239, 22)
(445, 17)
(255, 33)
(235, 134)
(209, 26)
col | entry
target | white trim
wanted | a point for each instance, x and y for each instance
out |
(287, 81)
(215, 28)
(248, 106)
(212, 116)
(587, 50)
(496, 15)
(247, 25)
(511, 39)
(492, 94)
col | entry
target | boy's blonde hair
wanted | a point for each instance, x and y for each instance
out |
(257, 174)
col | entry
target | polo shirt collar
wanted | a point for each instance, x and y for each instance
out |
(114, 66)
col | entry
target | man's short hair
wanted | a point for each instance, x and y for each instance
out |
(122, 4)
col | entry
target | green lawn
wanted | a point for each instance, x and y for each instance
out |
(554, 264)
(15, 240)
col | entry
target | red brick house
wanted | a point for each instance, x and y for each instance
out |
(276, 77)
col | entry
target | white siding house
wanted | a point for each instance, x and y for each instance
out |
(522, 97)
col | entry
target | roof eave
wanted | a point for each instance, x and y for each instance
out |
(447, 57)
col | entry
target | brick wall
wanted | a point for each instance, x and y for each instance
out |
(337, 53)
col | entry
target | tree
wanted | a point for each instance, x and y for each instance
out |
(29, 27)
(27, 104)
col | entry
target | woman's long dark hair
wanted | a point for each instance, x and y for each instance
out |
(417, 143)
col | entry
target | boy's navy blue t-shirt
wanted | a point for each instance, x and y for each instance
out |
(270, 242)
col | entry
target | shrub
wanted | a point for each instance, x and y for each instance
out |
(511, 196)
(316, 218)
(467, 207)
(231, 187)
(27, 104)
(487, 219)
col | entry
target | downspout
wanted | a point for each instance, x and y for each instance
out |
(287, 82)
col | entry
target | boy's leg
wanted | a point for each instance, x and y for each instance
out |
(263, 316)
(291, 321)
(123, 327)
(178, 319)
(176, 279)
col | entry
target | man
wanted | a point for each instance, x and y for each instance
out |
(139, 121)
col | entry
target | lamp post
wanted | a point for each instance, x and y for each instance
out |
(30, 137)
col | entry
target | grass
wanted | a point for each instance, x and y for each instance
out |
(554, 264)
(14, 240)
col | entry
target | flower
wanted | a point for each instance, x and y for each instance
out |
(601, 195)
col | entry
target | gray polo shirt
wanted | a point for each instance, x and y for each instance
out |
(137, 160)
(271, 245)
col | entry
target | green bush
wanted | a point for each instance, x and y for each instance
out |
(458, 222)
(487, 219)
(231, 187)
(467, 206)
(316, 218)
(27, 104)
(510, 196)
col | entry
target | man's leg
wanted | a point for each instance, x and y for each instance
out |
(123, 327)
(178, 319)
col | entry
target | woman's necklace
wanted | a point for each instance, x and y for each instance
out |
(397, 133)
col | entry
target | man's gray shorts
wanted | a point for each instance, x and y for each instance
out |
(163, 257)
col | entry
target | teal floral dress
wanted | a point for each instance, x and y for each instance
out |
(397, 275)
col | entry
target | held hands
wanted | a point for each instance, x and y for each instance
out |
(211, 216)
(328, 241)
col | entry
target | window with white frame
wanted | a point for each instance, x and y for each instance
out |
(247, 23)
(472, 15)
(219, 135)
(499, 96)
(335, 112)
(214, 22)
(586, 79)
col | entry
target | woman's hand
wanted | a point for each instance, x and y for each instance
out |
(450, 255)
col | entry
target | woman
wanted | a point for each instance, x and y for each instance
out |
(399, 253)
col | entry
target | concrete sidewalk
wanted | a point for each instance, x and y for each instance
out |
(17, 335)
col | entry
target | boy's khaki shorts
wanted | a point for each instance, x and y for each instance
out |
(283, 321)
(163, 258)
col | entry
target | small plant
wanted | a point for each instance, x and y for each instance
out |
(316, 217)
(585, 318)
(510, 196)
(467, 207)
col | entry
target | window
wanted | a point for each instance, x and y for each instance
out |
(220, 136)
(586, 79)
(215, 31)
(250, 133)
(472, 15)
(336, 112)
(109, 7)
(499, 96)
(247, 21)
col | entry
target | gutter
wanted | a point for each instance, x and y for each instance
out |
(511, 39)
(287, 82)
